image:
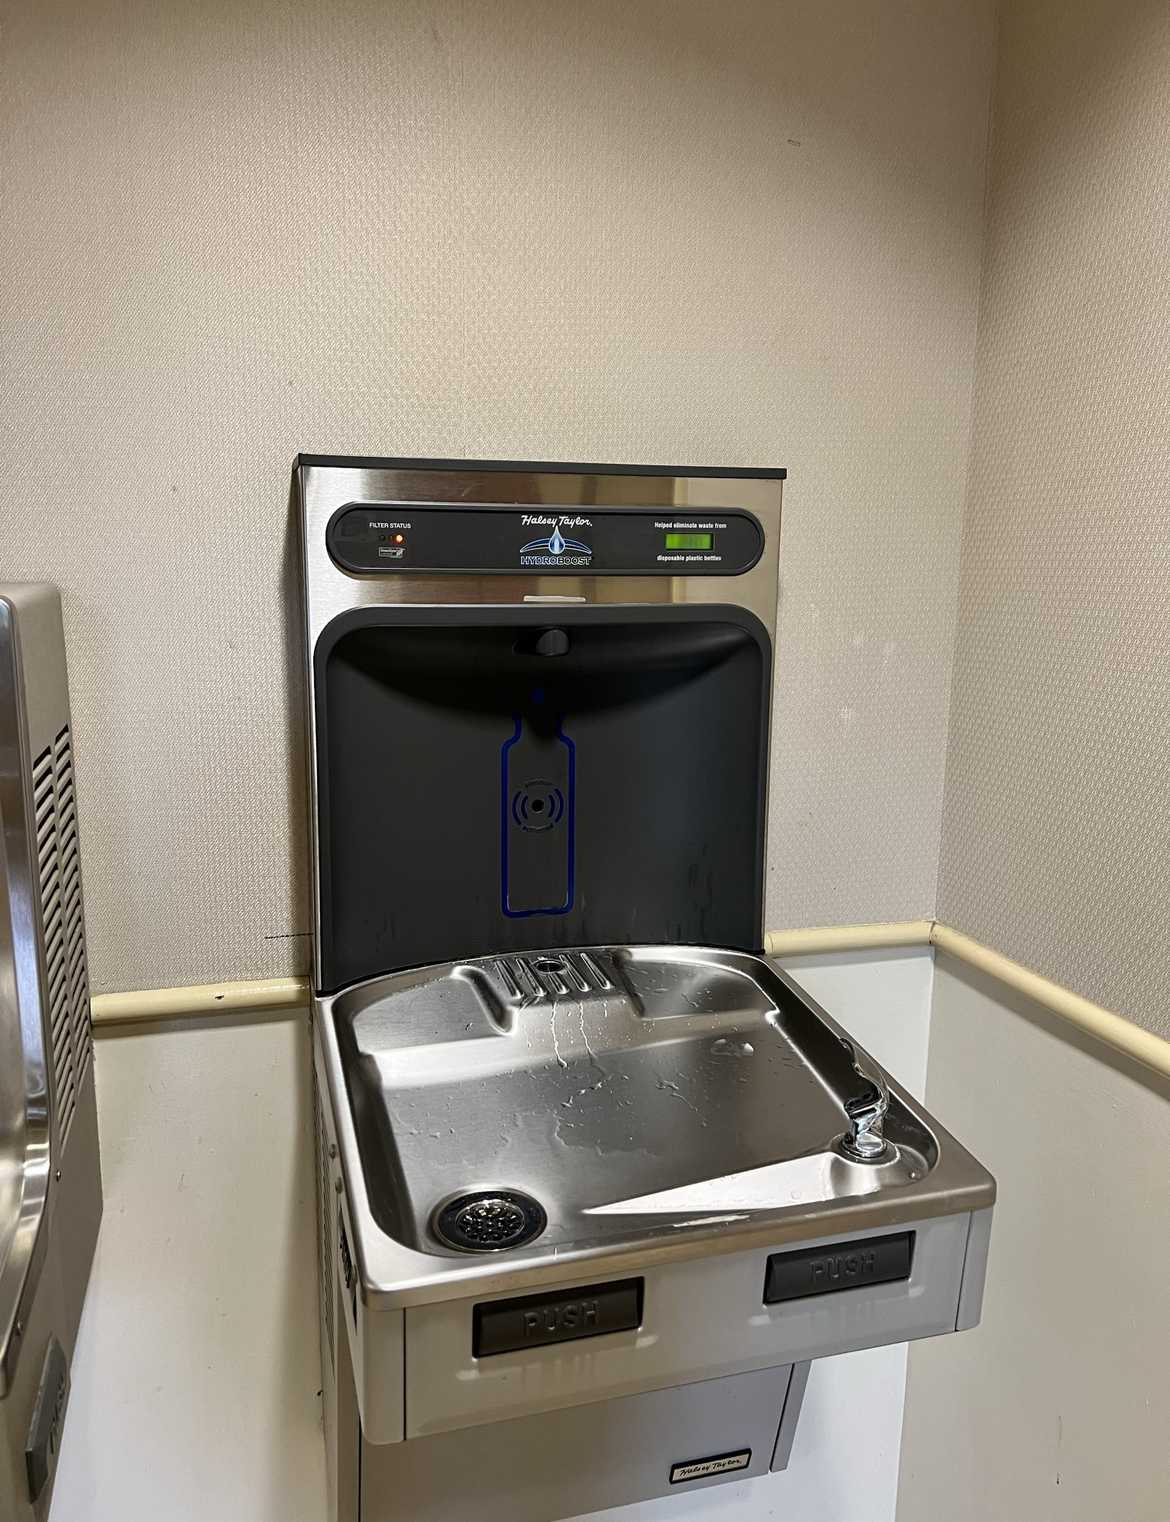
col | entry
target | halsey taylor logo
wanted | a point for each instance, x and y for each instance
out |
(556, 548)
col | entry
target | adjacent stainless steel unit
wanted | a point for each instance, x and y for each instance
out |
(50, 1183)
(587, 1210)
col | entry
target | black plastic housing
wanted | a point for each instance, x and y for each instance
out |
(479, 794)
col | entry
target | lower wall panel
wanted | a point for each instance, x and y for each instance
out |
(196, 1378)
(1058, 1405)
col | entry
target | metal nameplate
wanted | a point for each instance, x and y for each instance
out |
(841, 1266)
(705, 1469)
(534, 1321)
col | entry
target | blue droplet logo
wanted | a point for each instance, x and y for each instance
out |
(556, 543)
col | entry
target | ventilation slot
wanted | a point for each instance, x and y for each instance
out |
(66, 978)
(325, 1262)
(81, 1027)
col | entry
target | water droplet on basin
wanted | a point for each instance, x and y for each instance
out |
(727, 1046)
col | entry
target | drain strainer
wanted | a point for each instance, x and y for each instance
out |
(490, 1221)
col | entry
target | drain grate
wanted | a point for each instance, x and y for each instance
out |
(492, 1220)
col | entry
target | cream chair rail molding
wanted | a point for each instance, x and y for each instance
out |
(154, 1005)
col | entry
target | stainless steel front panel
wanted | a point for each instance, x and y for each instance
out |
(610, 1453)
(703, 1318)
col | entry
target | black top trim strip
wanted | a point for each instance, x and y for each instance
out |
(543, 467)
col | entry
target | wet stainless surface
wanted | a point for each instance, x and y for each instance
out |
(642, 1095)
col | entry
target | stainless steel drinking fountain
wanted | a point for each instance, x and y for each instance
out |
(597, 1181)
(50, 1183)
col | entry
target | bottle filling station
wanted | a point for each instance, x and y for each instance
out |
(597, 1181)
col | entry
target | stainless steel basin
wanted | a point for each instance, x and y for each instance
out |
(643, 1096)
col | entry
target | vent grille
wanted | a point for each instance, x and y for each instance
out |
(66, 978)
(325, 1256)
(529, 978)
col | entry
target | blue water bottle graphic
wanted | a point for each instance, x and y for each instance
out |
(537, 798)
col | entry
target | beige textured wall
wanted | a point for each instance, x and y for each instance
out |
(672, 231)
(1057, 828)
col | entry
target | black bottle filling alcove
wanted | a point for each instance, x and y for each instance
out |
(515, 779)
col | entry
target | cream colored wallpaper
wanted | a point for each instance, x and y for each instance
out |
(657, 230)
(1057, 831)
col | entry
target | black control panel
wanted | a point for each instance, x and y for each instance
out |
(380, 539)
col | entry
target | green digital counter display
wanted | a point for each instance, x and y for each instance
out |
(690, 541)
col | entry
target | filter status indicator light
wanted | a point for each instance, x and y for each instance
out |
(690, 541)
(391, 546)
